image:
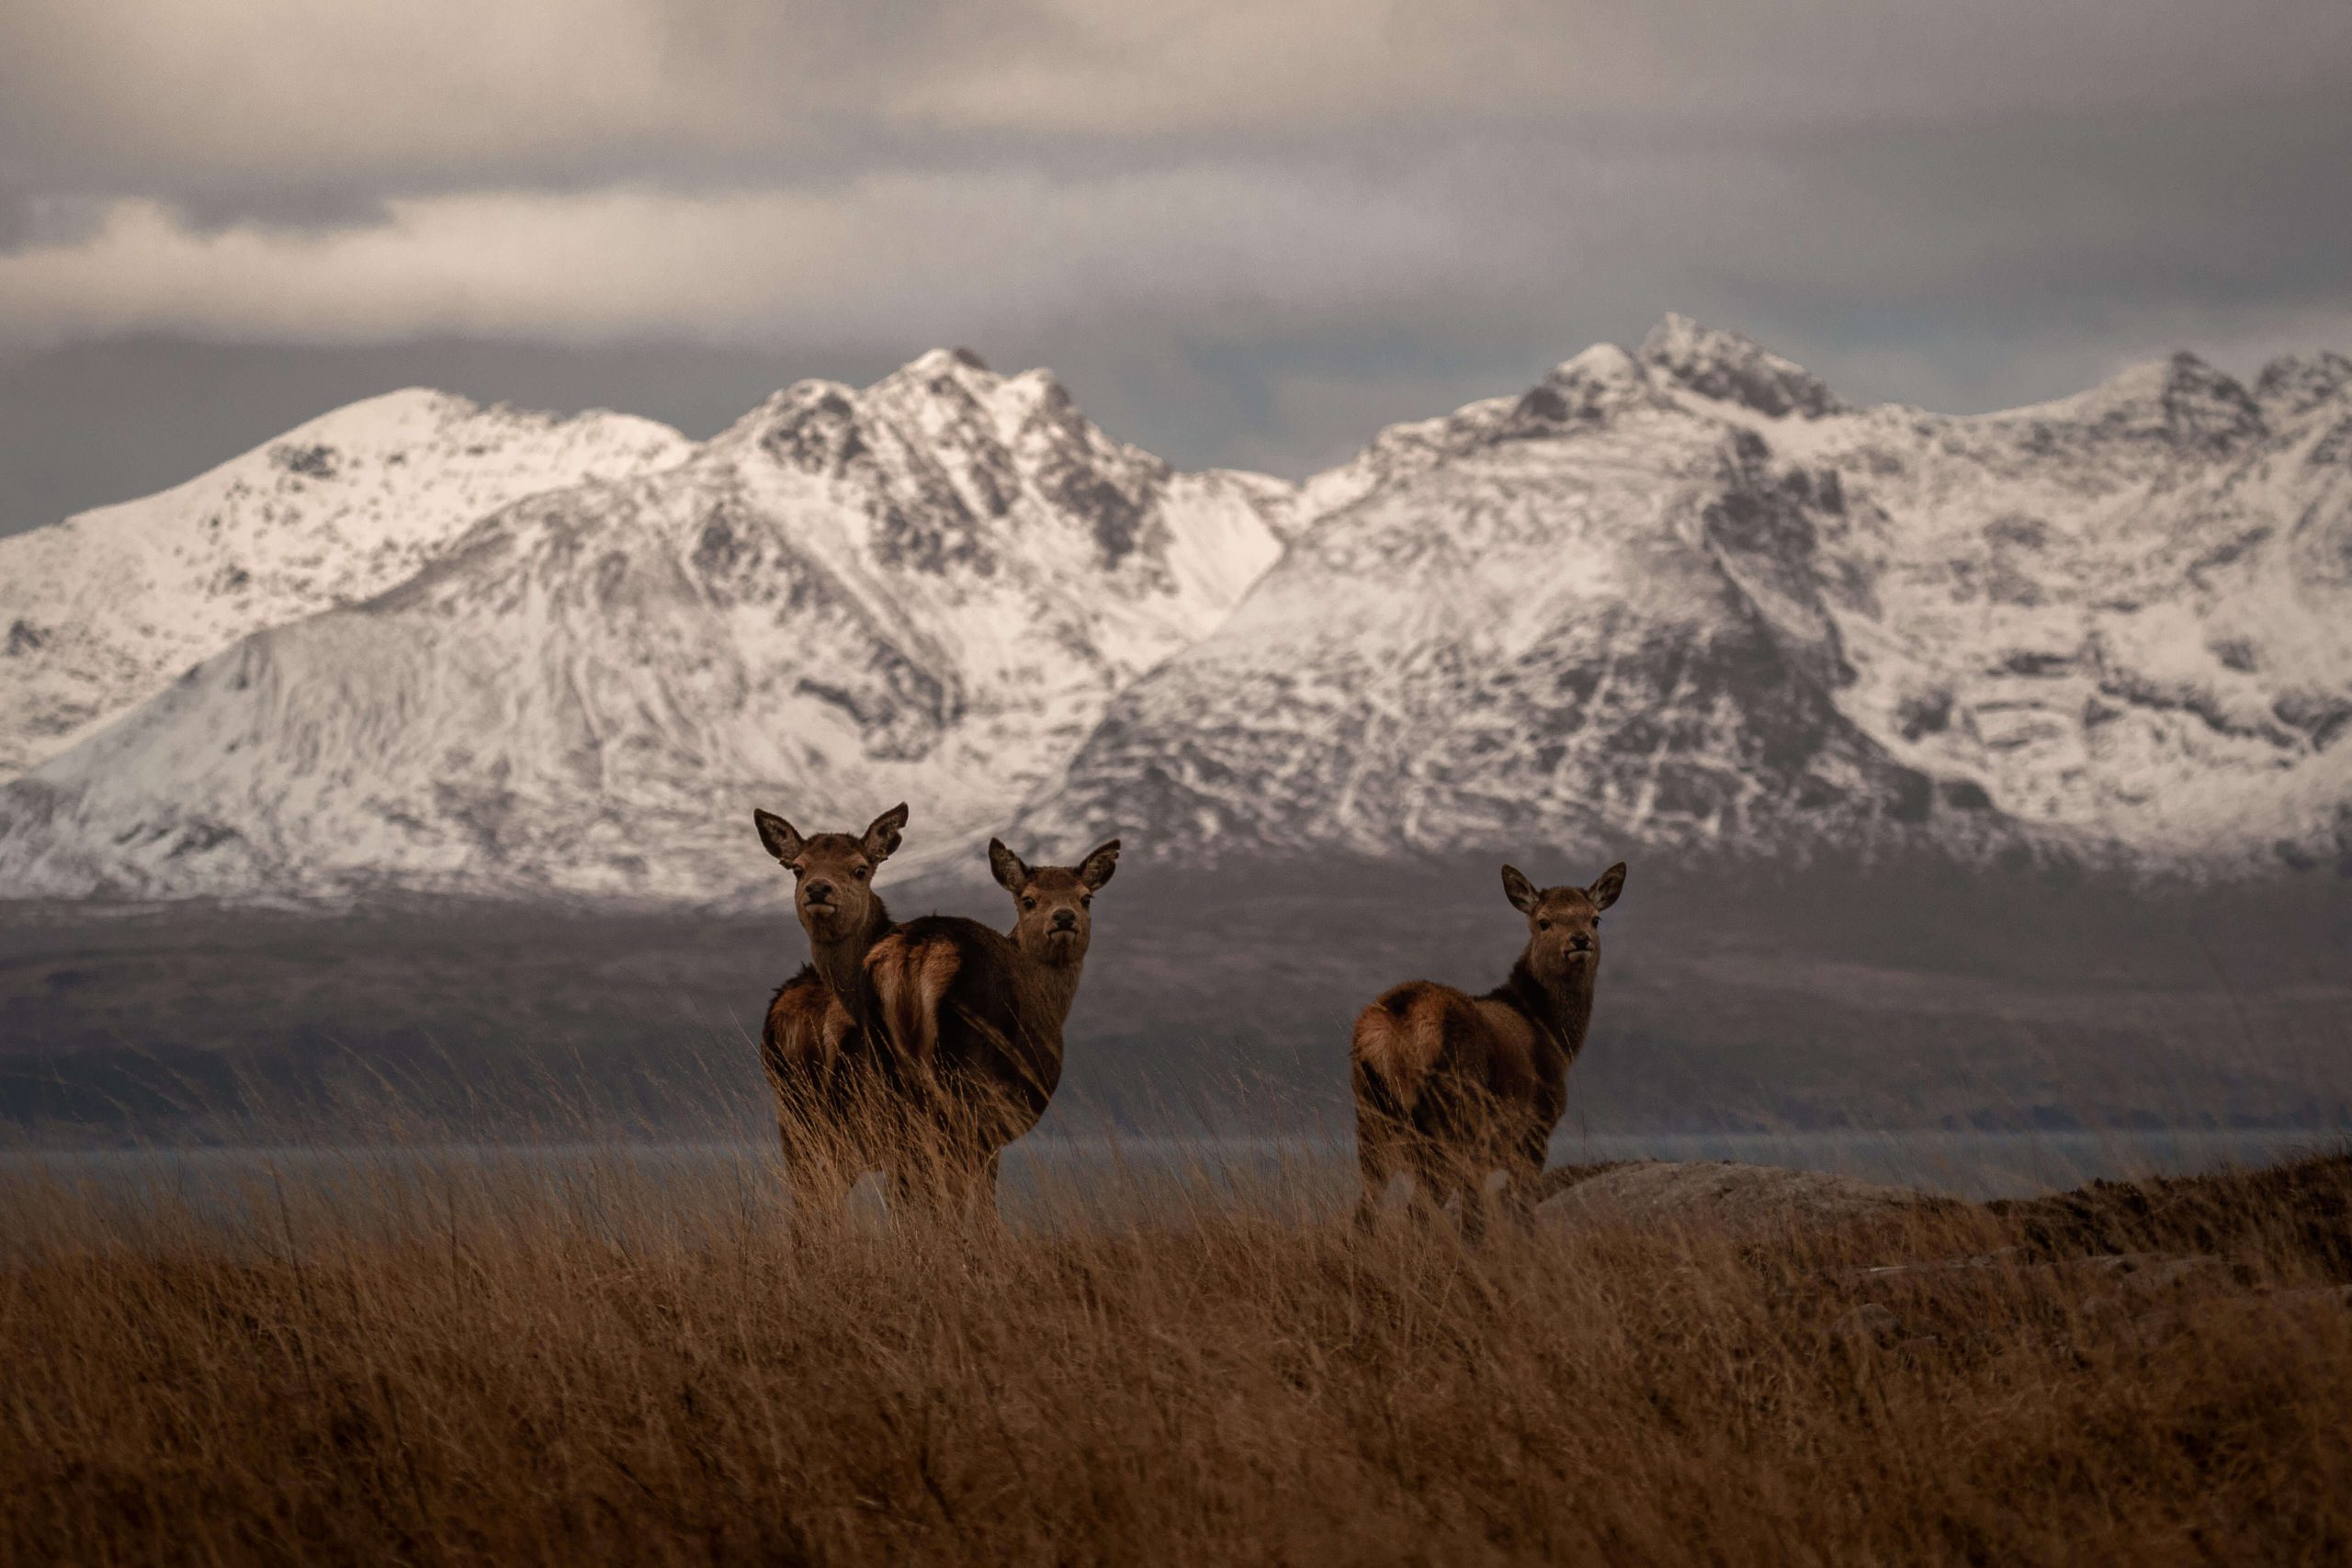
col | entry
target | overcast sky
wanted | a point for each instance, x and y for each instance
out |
(1246, 232)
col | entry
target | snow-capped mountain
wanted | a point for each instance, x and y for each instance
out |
(1689, 597)
(101, 612)
(1682, 597)
(930, 589)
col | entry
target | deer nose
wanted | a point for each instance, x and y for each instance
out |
(1581, 942)
(1064, 920)
(818, 892)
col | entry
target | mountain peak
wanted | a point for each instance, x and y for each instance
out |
(1730, 367)
(926, 588)
(2206, 407)
(2296, 383)
(955, 375)
(955, 362)
(388, 419)
(1602, 361)
(2181, 399)
(956, 385)
(106, 609)
(1585, 390)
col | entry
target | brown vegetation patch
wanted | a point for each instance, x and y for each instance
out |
(2302, 1206)
(487, 1366)
(1722, 1195)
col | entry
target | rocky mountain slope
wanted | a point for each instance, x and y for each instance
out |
(1686, 597)
(1683, 598)
(101, 612)
(928, 589)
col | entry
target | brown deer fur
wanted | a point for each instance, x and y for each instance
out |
(1450, 1086)
(974, 1016)
(815, 1048)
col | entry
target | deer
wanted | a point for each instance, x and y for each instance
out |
(1450, 1086)
(816, 1046)
(975, 1017)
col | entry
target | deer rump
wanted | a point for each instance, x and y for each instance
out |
(1433, 1063)
(806, 1032)
(826, 1075)
(949, 998)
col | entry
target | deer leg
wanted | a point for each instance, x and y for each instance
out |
(1520, 1185)
(818, 1176)
(822, 1158)
(1523, 1181)
(818, 1192)
(1377, 1163)
(942, 1180)
(921, 1153)
(966, 1189)
(980, 1194)
(1474, 1208)
(1389, 1143)
(1434, 1178)
(1481, 1159)
(919, 1198)
(919, 1188)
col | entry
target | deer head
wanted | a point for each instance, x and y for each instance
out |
(834, 872)
(1054, 919)
(1564, 924)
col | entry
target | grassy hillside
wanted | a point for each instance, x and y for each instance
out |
(475, 1364)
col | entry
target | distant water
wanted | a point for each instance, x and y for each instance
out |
(1059, 1177)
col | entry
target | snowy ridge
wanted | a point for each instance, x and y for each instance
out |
(1681, 597)
(1686, 597)
(929, 589)
(100, 612)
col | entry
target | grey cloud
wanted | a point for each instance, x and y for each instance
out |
(156, 99)
(1245, 232)
(209, 210)
(28, 219)
(2201, 203)
(434, 94)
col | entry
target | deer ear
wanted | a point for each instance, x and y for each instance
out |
(1605, 888)
(1011, 874)
(882, 833)
(1522, 893)
(780, 837)
(1096, 868)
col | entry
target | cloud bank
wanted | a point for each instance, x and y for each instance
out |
(1247, 228)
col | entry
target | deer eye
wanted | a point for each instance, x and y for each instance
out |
(1086, 900)
(1542, 925)
(796, 872)
(1028, 903)
(861, 873)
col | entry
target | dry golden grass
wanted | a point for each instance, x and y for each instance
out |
(481, 1364)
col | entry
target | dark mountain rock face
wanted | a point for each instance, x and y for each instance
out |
(1729, 368)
